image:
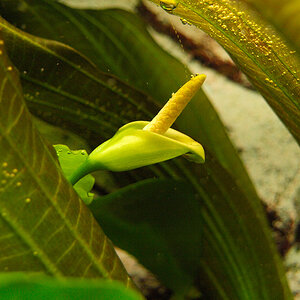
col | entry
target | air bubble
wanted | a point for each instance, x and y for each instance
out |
(168, 6)
(185, 22)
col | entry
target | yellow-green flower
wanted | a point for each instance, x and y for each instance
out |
(142, 143)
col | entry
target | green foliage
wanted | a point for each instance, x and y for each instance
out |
(70, 161)
(200, 226)
(271, 66)
(102, 102)
(20, 286)
(44, 226)
(287, 17)
(138, 212)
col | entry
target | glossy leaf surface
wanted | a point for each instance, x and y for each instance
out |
(271, 66)
(18, 286)
(44, 227)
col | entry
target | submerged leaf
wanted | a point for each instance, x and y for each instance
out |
(271, 66)
(155, 210)
(102, 35)
(44, 226)
(20, 286)
(239, 260)
(70, 161)
(287, 18)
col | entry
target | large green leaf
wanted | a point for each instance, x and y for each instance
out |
(287, 19)
(64, 87)
(20, 286)
(237, 258)
(44, 226)
(140, 213)
(49, 70)
(271, 66)
(103, 36)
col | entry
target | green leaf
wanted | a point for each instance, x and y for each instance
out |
(239, 260)
(102, 36)
(271, 66)
(44, 227)
(63, 87)
(20, 286)
(155, 210)
(70, 161)
(287, 17)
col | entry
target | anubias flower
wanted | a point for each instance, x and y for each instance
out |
(142, 143)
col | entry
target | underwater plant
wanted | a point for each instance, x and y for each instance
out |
(77, 79)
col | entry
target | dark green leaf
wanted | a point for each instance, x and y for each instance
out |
(239, 260)
(102, 36)
(271, 66)
(43, 224)
(62, 86)
(237, 257)
(156, 210)
(70, 161)
(19, 286)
